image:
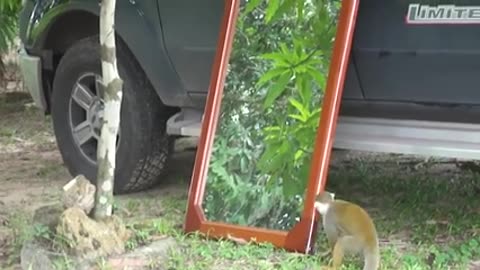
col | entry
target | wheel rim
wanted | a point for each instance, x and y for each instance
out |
(85, 111)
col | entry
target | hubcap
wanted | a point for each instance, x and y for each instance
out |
(95, 116)
(86, 114)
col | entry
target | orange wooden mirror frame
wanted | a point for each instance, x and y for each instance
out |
(301, 237)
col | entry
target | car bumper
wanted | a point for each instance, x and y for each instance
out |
(31, 68)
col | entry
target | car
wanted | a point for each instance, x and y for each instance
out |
(411, 87)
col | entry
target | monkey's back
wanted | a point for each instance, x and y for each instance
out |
(353, 220)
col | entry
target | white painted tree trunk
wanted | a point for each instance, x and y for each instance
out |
(112, 86)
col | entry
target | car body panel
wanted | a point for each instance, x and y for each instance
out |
(191, 38)
(431, 63)
(396, 69)
(137, 23)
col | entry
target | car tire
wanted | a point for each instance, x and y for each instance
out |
(143, 148)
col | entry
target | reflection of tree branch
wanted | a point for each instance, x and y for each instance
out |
(309, 56)
(316, 49)
(305, 150)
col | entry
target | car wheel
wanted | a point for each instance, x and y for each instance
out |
(143, 147)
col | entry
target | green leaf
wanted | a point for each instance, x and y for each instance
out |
(299, 106)
(318, 76)
(267, 155)
(290, 187)
(273, 158)
(277, 89)
(271, 133)
(298, 155)
(323, 16)
(300, 6)
(304, 172)
(314, 119)
(298, 46)
(251, 5)
(220, 171)
(280, 157)
(272, 128)
(272, 56)
(304, 87)
(298, 117)
(272, 8)
(316, 113)
(279, 59)
(269, 75)
(283, 9)
(276, 162)
(284, 49)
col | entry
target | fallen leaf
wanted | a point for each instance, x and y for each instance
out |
(158, 237)
(237, 240)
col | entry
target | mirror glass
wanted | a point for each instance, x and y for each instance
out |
(270, 112)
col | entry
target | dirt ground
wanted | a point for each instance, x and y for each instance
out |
(32, 174)
(31, 169)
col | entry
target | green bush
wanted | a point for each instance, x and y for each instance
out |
(8, 25)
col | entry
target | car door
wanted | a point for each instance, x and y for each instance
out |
(190, 29)
(396, 61)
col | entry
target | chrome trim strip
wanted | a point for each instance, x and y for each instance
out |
(426, 138)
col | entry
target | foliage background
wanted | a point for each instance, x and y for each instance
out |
(270, 112)
(9, 10)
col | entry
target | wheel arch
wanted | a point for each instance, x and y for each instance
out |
(63, 25)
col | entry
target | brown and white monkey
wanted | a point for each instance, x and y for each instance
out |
(349, 229)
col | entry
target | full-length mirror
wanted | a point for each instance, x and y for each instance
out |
(270, 116)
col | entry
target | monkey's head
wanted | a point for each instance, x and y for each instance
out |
(325, 197)
(323, 201)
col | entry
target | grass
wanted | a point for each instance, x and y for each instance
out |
(21, 231)
(426, 219)
(22, 125)
(427, 213)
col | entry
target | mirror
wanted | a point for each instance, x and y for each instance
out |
(263, 152)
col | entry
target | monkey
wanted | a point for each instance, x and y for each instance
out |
(349, 229)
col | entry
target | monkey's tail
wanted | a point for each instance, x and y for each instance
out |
(372, 259)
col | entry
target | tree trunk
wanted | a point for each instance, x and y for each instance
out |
(112, 95)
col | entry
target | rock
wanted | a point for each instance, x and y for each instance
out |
(155, 253)
(90, 238)
(34, 256)
(79, 192)
(158, 248)
(48, 215)
(152, 256)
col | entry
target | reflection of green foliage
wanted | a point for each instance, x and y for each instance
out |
(270, 112)
(296, 82)
(236, 191)
(8, 24)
